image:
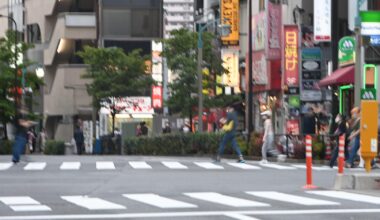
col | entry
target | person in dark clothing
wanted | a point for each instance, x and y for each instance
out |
(229, 127)
(309, 122)
(167, 128)
(79, 139)
(340, 130)
(21, 136)
(144, 128)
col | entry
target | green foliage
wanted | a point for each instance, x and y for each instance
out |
(114, 73)
(6, 147)
(255, 144)
(54, 147)
(174, 144)
(8, 73)
(181, 53)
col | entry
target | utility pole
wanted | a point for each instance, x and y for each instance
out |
(358, 55)
(249, 106)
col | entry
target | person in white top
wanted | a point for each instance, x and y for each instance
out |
(268, 137)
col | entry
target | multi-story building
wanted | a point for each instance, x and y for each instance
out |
(178, 14)
(60, 28)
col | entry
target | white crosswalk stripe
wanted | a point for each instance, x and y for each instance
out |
(105, 165)
(348, 196)
(303, 166)
(209, 165)
(92, 203)
(140, 165)
(5, 166)
(174, 165)
(291, 198)
(35, 166)
(245, 166)
(159, 201)
(277, 166)
(70, 166)
(240, 216)
(225, 200)
(24, 204)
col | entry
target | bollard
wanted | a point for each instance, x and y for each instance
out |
(341, 154)
(328, 149)
(309, 161)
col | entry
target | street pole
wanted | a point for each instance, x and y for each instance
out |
(249, 83)
(200, 80)
(15, 79)
(358, 78)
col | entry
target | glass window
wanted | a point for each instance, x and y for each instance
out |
(33, 33)
(116, 22)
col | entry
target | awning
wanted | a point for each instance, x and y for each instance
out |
(340, 76)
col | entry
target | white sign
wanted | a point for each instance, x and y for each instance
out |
(322, 20)
(370, 28)
(130, 105)
(353, 12)
(230, 59)
(156, 61)
(311, 95)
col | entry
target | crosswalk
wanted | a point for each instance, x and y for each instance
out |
(144, 165)
(192, 201)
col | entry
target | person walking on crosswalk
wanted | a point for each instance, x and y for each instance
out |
(229, 128)
(268, 137)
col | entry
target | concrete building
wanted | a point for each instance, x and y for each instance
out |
(178, 14)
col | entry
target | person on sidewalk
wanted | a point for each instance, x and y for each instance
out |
(230, 132)
(340, 130)
(355, 136)
(268, 137)
(79, 139)
(21, 136)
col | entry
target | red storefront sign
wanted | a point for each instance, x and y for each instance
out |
(291, 56)
(157, 96)
(292, 127)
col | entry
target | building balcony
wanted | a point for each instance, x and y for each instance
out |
(69, 27)
(170, 9)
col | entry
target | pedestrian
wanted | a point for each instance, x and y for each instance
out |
(309, 122)
(340, 130)
(138, 130)
(21, 126)
(144, 128)
(229, 128)
(268, 138)
(79, 139)
(42, 139)
(166, 129)
(354, 136)
(31, 139)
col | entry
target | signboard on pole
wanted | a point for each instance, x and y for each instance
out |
(291, 56)
(370, 24)
(230, 16)
(322, 20)
(274, 22)
(230, 59)
(346, 54)
(157, 96)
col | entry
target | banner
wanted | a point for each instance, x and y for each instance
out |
(230, 59)
(129, 105)
(157, 96)
(291, 56)
(322, 20)
(230, 16)
(258, 32)
(274, 23)
(259, 68)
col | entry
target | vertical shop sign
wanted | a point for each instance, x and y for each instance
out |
(291, 56)
(322, 20)
(258, 32)
(230, 16)
(259, 68)
(157, 96)
(156, 63)
(274, 21)
(230, 59)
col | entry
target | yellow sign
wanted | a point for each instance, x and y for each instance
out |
(368, 131)
(231, 64)
(230, 16)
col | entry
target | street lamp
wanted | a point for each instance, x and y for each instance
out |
(15, 79)
(224, 32)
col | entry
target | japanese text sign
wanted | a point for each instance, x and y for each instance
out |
(157, 96)
(230, 16)
(291, 55)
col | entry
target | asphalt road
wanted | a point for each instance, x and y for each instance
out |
(124, 187)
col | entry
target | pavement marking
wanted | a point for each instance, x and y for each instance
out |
(191, 214)
(291, 198)
(276, 166)
(348, 196)
(70, 166)
(92, 203)
(159, 201)
(245, 166)
(24, 204)
(35, 166)
(209, 165)
(105, 165)
(19, 200)
(5, 166)
(303, 166)
(225, 200)
(174, 165)
(240, 216)
(140, 165)
(30, 208)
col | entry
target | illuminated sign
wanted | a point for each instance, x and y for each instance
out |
(157, 96)
(230, 16)
(231, 64)
(291, 55)
(322, 20)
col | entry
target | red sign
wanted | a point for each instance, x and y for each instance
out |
(157, 96)
(292, 127)
(291, 56)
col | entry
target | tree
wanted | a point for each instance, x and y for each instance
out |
(7, 77)
(180, 51)
(115, 75)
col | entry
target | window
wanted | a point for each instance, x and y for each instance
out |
(34, 33)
